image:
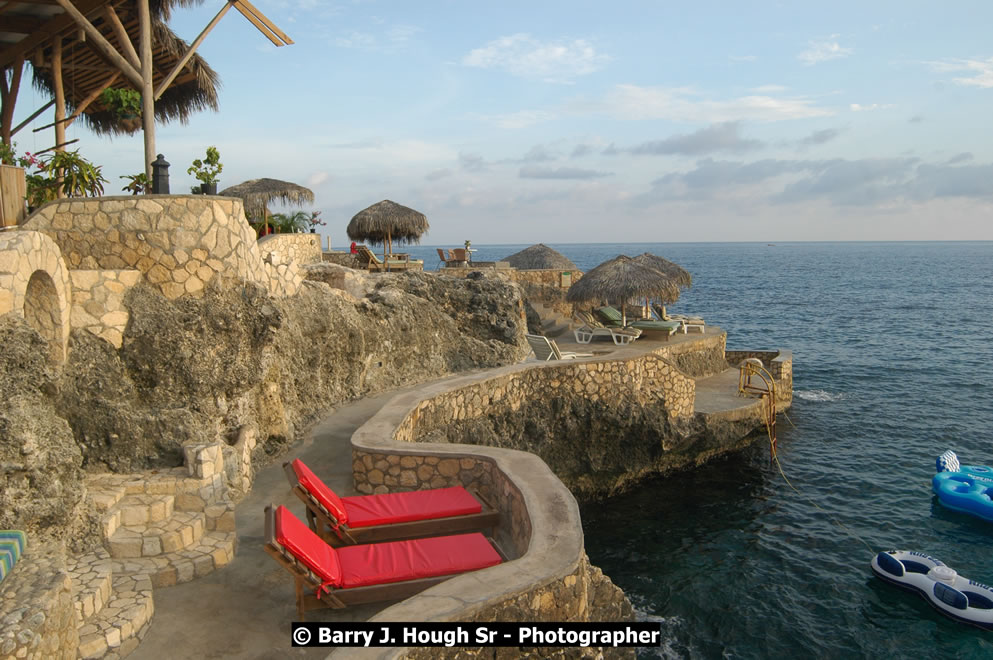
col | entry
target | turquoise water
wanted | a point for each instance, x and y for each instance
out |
(893, 364)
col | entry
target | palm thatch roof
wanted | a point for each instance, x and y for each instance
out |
(259, 193)
(85, 71)
(539, 256)
(388, 221)
(675, 272)
(621, 279)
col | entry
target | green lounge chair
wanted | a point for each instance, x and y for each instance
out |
(665, 328)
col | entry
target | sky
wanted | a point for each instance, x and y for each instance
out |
(585, 122)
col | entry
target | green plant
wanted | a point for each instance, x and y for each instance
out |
(123, 102)
(68, 171)
(8, 156)
(138, 184)
(208, 169)
(289, 223)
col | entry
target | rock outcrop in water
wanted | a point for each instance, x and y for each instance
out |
(199, 368)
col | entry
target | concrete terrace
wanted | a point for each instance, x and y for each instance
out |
(245, 610)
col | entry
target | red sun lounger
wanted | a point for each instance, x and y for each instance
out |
(339, 577)
(390, 516)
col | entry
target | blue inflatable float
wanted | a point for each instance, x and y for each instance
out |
(965, 488)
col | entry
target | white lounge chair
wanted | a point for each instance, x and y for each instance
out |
(685, 321)
(545, 349)
(588, 328)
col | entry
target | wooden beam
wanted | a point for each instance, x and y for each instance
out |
(8, 95)
(269, 34)
(127, 48)
(57, 147)
(83, 105)
(33, 116)
(20, 24)
(164, 85)
(147, 91)
(56, 25)
(262, 18)
(101, 44)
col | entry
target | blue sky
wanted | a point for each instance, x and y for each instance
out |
(560, 122)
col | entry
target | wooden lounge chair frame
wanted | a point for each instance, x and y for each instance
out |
(325, 525)
(396, 261)
(306, 583)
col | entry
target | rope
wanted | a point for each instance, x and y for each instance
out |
(775, 458)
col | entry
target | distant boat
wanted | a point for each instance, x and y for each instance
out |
(771, 244)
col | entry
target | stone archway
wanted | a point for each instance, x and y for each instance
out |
(34, 282)
(41, 309)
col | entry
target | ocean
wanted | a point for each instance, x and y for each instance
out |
(893, 364)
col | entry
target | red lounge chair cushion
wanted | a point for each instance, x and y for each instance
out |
(327, 497)
(308, 547)
(399, 561)
(367, 510)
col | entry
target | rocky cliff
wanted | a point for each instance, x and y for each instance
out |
(204, 367)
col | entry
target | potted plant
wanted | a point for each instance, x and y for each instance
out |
(13, 169)
(314, 221)
(138, 184)
(125, 103)
(206, 171)
(66, 171)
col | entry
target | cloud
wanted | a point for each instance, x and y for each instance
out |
(438, 174)
(523, 55)
(820, 137)
(856, 107)
(581, 150)
(960, 158)
(768, 89)
(317, 178)
(683, 104)
(718, 137)
(390, 40)
(916, 119)
(822, 50)
(742, 58)
(538, 154)
(472, 162)
(980, 70)
(935, 181)
(360, 144)
(560, 173)
(515, 120)
(853, 182)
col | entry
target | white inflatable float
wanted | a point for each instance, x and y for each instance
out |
(953, 595)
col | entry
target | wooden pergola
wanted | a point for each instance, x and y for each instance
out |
(96, 44)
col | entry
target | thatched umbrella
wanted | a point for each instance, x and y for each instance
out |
(259, 193)
(385, 222)
(622, 278)
(675, 272)
(539, 256)
(194, 90)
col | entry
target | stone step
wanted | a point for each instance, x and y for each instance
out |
(182, 530)
(117, 629)
(145, 509)
(92, 582)
(215, 549)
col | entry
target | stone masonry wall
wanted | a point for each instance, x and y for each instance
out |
(98, 302)
(299, 247)
(178, 242)
(34, 283)
(39, 619)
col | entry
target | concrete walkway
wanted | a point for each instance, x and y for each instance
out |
(245, 609)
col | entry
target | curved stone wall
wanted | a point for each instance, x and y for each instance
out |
(39, 621)
(35, 284)
(178, 242)
(301, 248)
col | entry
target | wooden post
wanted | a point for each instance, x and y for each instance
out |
(101, 44)
(147, 92)
(9, 97)
(60, 105)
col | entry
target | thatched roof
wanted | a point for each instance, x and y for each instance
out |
(259, 193)
(538, 257)
(621, 279)
(84, 71)
(388, 221)
(675, 272)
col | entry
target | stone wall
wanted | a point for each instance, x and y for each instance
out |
(298, 247)
(178, 242)
(39, 619)
(34, 283)
(343, 259)
(98, 302)
(548, 577)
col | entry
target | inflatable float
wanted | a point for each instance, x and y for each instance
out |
(965, 488)
(955, 596)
